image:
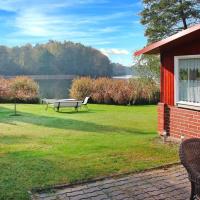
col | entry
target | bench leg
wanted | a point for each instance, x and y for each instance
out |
(58, 108)
(47, 106)
(192, 196)
(76, 107)
(86, 107)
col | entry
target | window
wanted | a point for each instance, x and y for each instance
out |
(187, 80)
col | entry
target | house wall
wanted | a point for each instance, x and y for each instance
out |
(161, 118)
(178, 121)
(167, 67)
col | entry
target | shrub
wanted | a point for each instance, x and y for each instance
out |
(121, 92)
(19, 89)
(110, 91)
(81, 87)
(4, 89)
(23, 88)
(101, 92)
(147, 91)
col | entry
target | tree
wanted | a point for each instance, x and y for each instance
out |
(22, 88)
(148, 67)
(164, 18)
(54, 58)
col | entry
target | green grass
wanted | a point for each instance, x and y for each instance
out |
(40, 148)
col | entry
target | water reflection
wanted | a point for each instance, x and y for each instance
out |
(54, 88)
(59, 88)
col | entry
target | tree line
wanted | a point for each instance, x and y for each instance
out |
(163, 18)
(55, 58)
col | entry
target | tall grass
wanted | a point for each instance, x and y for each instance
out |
(110, 91)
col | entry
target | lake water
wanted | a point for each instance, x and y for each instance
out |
(59, 88)
(54, 88)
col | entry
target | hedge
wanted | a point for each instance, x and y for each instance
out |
(120, 92)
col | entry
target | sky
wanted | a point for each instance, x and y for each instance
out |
(112, 26)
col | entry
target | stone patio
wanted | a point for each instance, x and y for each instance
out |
(169, 183)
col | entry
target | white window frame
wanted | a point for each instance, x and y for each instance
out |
(176, 83)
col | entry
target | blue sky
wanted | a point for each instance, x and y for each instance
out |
(112, 26)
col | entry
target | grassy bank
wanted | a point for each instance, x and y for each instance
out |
(40, 148)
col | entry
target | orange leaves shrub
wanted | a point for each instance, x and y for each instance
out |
(20, 89)
(121, 92)
(110, 91)
(23, 87)
(81, 88)
(4, 88)
(102, 90)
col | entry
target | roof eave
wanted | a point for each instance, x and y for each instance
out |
(155, 47)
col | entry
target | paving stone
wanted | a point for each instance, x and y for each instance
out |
(78, 197)
(162, 184)
(91, 190)
(100, 197)
(75, 193)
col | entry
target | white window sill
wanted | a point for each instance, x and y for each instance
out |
(188, 105)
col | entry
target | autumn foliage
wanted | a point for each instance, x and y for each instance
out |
(20, 89)
(121, 92)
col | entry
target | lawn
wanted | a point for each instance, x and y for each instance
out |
(40, 148)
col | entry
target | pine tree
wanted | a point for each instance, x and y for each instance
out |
(163, 18)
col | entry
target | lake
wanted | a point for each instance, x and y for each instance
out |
(58, 86)
(54, 88)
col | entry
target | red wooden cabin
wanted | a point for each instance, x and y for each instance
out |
(179, 107)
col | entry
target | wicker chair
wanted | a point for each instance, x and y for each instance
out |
(190, 158)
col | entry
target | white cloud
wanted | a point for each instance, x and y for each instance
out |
(34, 23)
(17, 5)
(114, 51)
(42, 19)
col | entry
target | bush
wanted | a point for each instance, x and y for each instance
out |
(110, 91)
(101, 90)
(121, 92)
(146, 90)
(19, 89)
(4, 89)
(81, 87)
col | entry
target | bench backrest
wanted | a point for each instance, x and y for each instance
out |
(86, 100)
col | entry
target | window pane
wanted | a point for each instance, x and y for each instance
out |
(183, 82)
(189, 80)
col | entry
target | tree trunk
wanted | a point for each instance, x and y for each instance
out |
(15, 108)
(184, 22)
(183, 18)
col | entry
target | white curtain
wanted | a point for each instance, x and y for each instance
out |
(189, 80)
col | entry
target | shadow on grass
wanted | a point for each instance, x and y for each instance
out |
(60, 123)
(12, 139)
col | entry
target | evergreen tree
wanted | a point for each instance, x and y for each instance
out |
(163, 18)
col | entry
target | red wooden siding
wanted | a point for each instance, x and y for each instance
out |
(167, 68)
(167, 79)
